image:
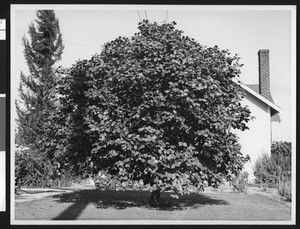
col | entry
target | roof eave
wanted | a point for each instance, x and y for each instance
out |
(255, 94)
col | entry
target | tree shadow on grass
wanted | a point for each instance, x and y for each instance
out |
(126, 199)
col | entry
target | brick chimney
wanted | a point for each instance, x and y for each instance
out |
(264, 73)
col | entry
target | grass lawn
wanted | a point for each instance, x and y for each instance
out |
(133, 205)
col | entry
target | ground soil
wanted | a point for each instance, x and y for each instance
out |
(91, 204)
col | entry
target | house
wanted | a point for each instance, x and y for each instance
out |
(258, 138)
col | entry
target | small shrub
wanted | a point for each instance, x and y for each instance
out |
(281, 154)
(265, 171)
(66, 180)
(104, 181)
(275, 170)
(270, 170)
(240, 182)
(30, 171)
(285, 190)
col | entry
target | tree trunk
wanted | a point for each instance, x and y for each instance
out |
(155, 197)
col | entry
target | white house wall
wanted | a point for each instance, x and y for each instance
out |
(257, 139)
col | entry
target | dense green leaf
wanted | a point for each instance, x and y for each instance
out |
(157, 107)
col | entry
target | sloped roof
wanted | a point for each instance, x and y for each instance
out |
(253, 89)
(274, 115)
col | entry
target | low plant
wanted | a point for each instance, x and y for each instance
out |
(265, 171)
(274, 171)
(240, 182)
(32, 171)
(285, 190)
(104, 181)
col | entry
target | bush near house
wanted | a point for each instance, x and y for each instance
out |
(265, 171)
(32, 171)
(285, 189)
(240, 182)
(29, 170)
(275, 170)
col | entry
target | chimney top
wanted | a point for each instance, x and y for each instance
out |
(263, 50)
(264, 73)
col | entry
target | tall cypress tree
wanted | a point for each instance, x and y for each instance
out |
(42, 51)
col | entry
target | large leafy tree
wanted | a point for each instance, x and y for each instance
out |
(37, 92)
(157, 107)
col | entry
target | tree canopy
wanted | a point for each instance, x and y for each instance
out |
(157, 107)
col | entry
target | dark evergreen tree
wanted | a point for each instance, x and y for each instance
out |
(42, 51)
(38, 97)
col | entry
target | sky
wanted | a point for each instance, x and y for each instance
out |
(243, 30)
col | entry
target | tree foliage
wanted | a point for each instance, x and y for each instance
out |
(41, 51)
(38, 102)
(157, 107)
